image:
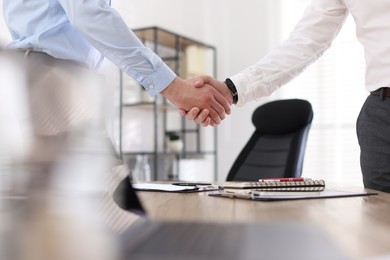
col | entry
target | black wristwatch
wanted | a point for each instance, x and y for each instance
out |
(233, 89)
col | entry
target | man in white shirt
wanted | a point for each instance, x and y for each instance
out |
(311, 37)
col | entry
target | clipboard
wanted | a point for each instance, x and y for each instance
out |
(259, 195)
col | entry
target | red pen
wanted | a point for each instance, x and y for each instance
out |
(284, 179)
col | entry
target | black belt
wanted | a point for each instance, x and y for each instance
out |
(382, 92)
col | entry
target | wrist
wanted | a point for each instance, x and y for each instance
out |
(232, 88)
(227, 93)
(170, 90)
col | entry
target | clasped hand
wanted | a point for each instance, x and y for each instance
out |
(203, 99)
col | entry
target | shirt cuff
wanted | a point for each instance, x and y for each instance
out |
(249, 88)
(159, 80)
(241, 84)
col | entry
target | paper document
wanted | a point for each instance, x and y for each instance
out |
(147, 186)
(275, 196)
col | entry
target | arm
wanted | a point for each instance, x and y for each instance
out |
(104, 28)
(311, 37)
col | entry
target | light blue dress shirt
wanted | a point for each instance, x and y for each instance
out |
(84, 31)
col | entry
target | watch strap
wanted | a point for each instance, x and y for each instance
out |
(229, 83)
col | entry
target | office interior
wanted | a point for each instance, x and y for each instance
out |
(242, 32)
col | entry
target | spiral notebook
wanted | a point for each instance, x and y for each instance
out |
(306, 185)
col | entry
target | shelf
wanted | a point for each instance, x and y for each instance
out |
(188, 155)
(170, 59)
(195, 130)
(138, 104)
(150, 106)
(167, 38)
(171, 47)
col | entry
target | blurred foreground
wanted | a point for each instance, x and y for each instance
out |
(53, 160)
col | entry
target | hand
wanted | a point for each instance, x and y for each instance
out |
(184, 95)
(201, 116)
(218, 85)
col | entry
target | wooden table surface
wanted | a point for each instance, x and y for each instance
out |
(360, 226)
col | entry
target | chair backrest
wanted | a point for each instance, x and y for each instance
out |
(277, 147)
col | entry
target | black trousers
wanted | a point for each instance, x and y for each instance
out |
(373, 131)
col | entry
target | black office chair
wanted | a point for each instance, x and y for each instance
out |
(277, 147)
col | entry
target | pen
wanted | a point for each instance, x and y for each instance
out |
(190, 184)
(284, 179)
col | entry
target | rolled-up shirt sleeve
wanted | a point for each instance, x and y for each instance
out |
(104, 28)
(311, 37)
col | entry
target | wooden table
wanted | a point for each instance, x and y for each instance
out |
(360, 226)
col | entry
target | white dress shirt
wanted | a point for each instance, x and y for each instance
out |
(84, 31)
(313, 35)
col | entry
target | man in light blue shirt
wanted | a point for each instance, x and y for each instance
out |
(54, 36)
(86, 31)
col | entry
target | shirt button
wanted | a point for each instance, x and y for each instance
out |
(151, 86)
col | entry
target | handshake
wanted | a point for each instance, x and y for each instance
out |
(203, 99)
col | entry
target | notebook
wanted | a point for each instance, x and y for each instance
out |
(177, 240)
(306, 185)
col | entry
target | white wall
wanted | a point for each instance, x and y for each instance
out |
(242, 34)
(183, 17)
